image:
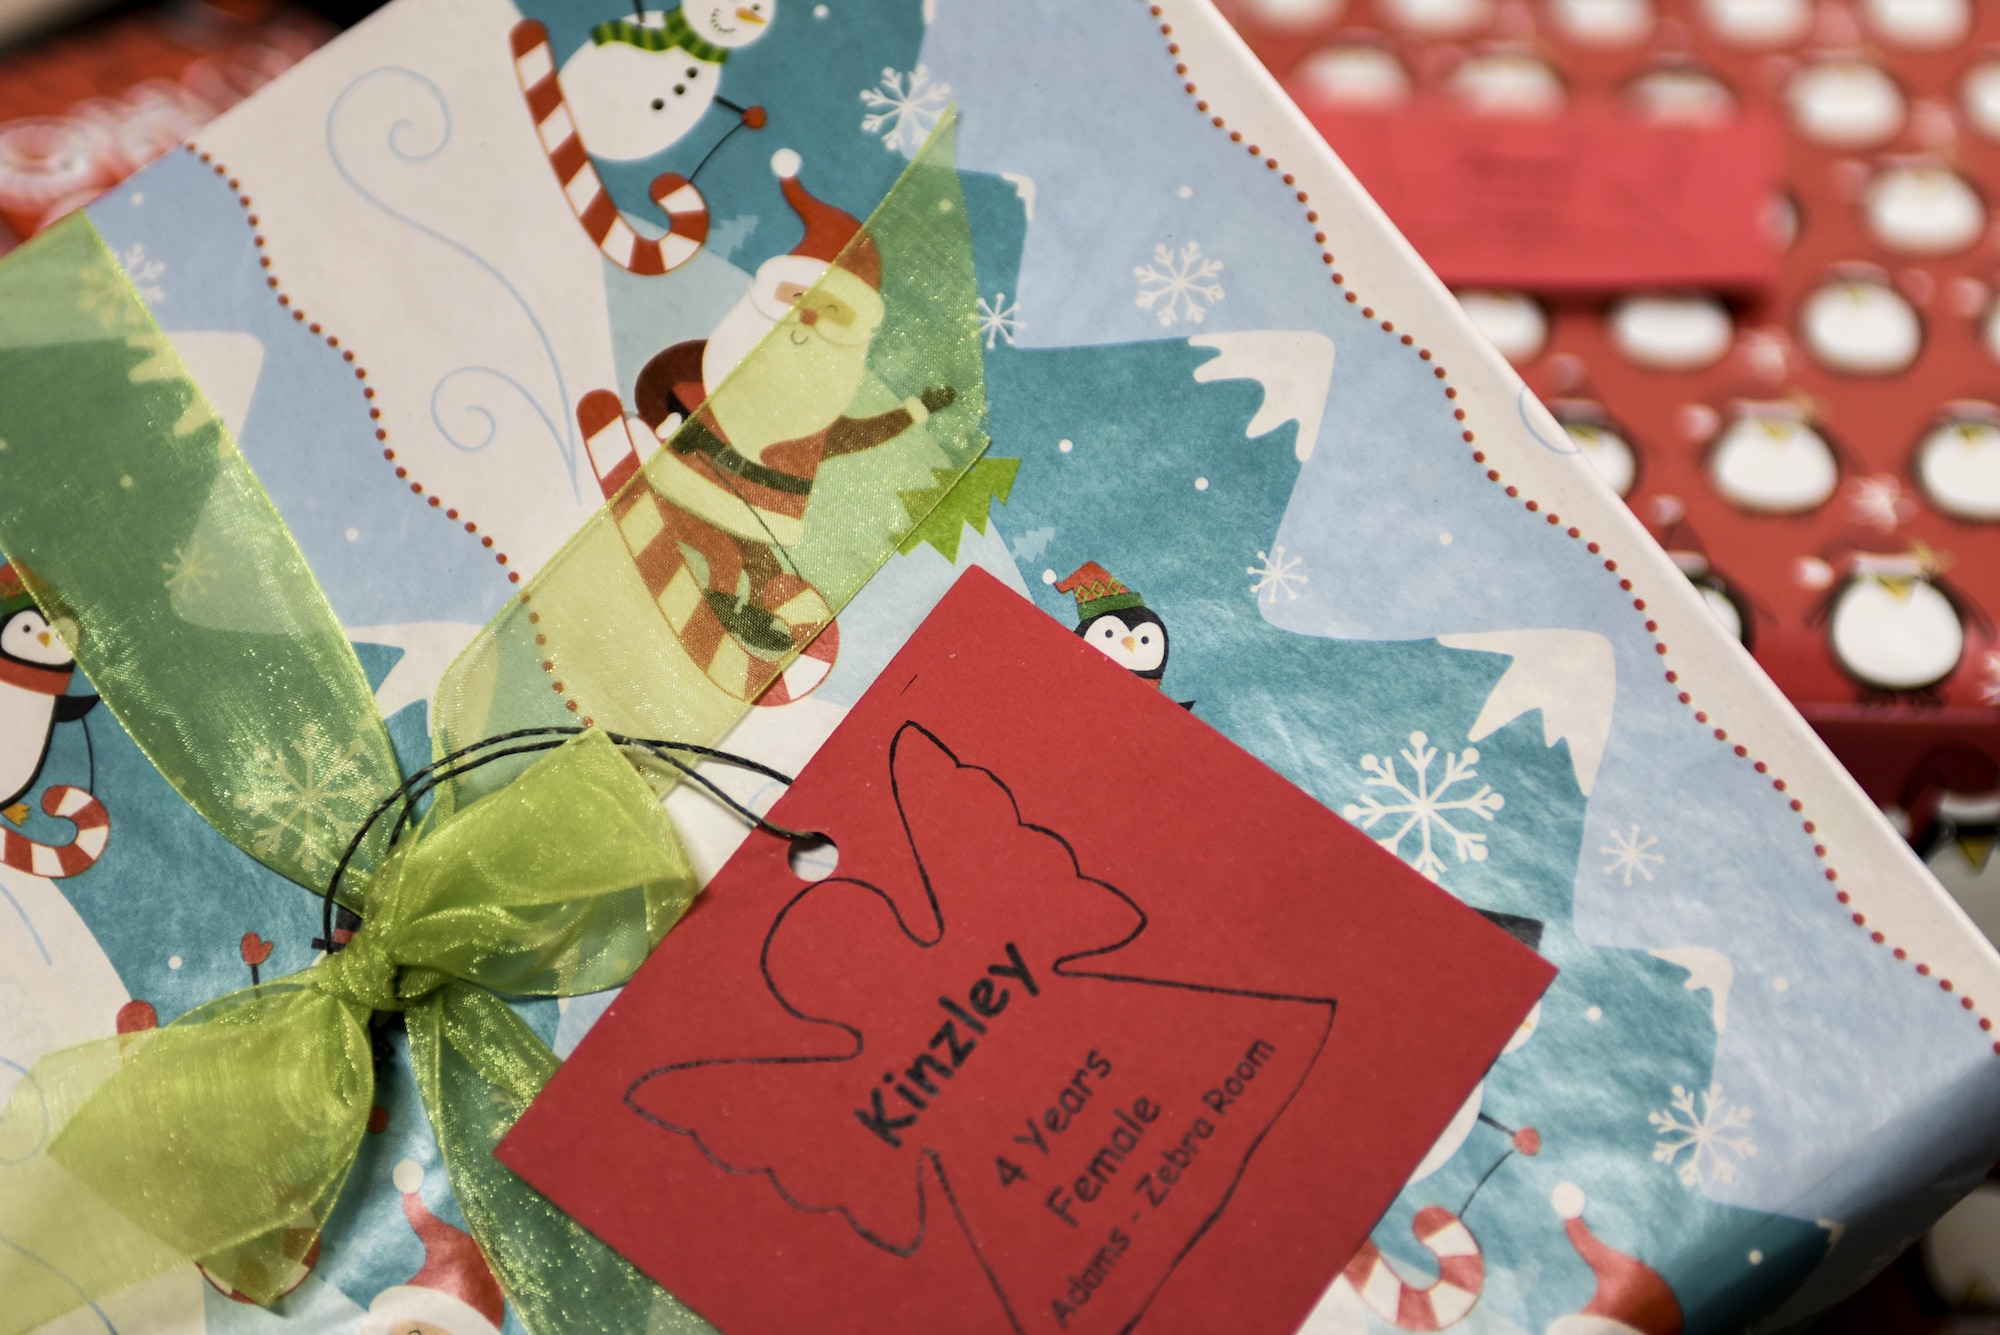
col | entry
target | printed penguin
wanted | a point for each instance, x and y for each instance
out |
(1116, 622)
(35, 672)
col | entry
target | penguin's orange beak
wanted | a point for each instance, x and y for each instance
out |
(44, 638)
(1130, 642)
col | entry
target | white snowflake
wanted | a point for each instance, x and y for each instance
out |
(1178, 284)
(1989, 688)
(1880, 502)
(145, 273)
(192, 571)
(1713, 1135)
(1277, 575)
(1630, 852)
(998, 318)
(315, 792)
(1425, 808)
(904, 108)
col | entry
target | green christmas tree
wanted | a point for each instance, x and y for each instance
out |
(942, 510)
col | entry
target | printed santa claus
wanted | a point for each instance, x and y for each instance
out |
(734, 482)
(453, 1293)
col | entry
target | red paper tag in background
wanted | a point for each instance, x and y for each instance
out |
(1098, 1021)
(1584, 201)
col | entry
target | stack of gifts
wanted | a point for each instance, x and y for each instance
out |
(1135, 777)
(1769, 319)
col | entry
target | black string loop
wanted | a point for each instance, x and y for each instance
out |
(529, 741)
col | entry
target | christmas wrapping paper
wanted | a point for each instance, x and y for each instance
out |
(1814, 442)
(450, 276)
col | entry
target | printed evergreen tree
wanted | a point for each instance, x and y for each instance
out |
(942, 511)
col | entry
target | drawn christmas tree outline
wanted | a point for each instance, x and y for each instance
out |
(1061, 967)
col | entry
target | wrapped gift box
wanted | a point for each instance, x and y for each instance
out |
(1818, 448)
(442, 282)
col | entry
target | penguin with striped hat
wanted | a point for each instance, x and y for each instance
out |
(1115, 621)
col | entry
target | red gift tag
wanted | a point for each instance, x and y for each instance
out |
(1098, 1021)
(1586, 201)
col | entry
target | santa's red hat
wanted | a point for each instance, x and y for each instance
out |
(1631, 1298)
(454, 1290)
(833, 236)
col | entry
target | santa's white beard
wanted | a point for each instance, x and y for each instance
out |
(730, 341)
(796, 385)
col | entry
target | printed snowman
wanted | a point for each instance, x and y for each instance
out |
(1772, 460)
(1892, 625)
(637, 88)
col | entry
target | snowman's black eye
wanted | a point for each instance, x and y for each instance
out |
(693, 73)
(659, 104)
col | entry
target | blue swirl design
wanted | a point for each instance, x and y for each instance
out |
(14, 1105)
(96, 1311)
(28, 923)
(1521, 406)
(41, 1139)
(413, 143)
(473, 408)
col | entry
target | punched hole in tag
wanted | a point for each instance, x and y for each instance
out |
(814, 857)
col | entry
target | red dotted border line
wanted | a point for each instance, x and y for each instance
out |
(549, 665)
(346, 355)
(1555, 521)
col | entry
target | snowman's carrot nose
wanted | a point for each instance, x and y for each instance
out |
(749, 15)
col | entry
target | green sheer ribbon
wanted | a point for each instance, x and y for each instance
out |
(226, 1136)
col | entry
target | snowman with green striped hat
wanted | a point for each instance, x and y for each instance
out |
(637, 87)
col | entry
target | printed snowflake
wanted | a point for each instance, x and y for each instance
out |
(192, 571)
(1277, 575)
(1989, 688)
(1424, 808)
(316, 794)
(1713, 1136)
(1178, 284)
(1879, 502)
(1629, 852)
(998, 318)
(904, 109)
(101, 290)
(145, 274)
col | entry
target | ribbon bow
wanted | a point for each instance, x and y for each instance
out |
(226, 1136)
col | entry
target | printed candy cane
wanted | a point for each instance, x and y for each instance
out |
(1461, 1276)
(678, 197)
(55, 861)
(655, 530)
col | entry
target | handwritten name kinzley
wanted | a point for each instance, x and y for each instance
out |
(947, 1051)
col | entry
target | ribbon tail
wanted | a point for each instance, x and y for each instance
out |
(222, 1139)
(478, 1065)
